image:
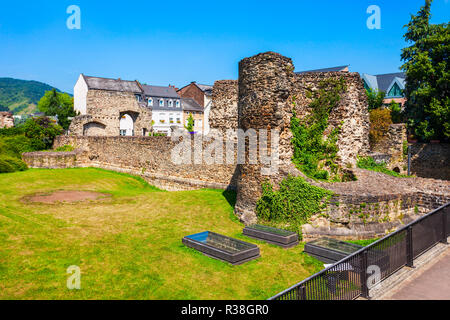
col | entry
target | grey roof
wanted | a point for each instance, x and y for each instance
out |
(189, 104)
(332, 69)
(383, 82)
(112, 84)
(158, 91)
(206, 88)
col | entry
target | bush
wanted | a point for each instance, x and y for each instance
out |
(13, 131)
(293, 204)
(375, 99)
(396, 112)
(65, 148)
(42, 131)
(36, 134)
(11, 164)
(380, 120)
(14, 146)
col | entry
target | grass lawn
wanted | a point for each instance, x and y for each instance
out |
(128, 246)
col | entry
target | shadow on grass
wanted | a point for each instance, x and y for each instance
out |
(230, 196)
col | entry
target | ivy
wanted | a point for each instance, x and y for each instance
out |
(314, 155)
(293, 204)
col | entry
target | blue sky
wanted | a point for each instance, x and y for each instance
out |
(176, 42)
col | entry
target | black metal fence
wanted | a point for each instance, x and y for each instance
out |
(348, 278)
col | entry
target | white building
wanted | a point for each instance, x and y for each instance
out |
(166, 108)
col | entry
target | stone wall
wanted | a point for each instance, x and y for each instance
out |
(371, 206)
(363, 217)
(390, 149)
(149, 157)
(104, 110)
(267, 85)
(6, 120)
(430, 160)
(52, 160)
(224, 110)
(351, 114)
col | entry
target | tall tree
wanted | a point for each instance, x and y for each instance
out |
(55, 103)
(427, 76)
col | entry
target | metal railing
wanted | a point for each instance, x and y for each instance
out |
(348, 278)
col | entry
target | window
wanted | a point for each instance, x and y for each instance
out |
(395, 91)
(366, 86)
(123, 132)
(170, 103)
(161, 102)
(177, 103)
(178, 120)
(150, 102)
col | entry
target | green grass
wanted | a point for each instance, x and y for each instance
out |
(369, 163)
(129, 245)
(363, 243)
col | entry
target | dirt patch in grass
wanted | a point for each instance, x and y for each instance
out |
(66, 196)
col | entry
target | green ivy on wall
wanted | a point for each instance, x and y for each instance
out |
(314, 155)
(293, 204)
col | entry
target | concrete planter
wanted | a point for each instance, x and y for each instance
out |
(221, 247)
(282, 238)
(330, 250)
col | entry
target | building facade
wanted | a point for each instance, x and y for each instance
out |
(109, 107)
(202, 95)
(166, 106)
(191, 107)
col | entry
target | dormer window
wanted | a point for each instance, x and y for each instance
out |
(150, 102)
(177, 103)
(395, 91)
(161, 102)
(138, 97)
(170, 103)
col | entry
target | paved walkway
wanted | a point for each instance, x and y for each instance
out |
(430, 283)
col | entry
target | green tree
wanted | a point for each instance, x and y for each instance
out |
(55, 103)
(42, 131)
(396, 112)
(375, 99)
(427, 76)
(190, 123)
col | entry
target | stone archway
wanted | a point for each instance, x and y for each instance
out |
(94, 128)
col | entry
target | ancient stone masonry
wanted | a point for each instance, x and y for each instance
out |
(267, 85)
(351, 115)
(6, 120)
(224, 110)
(104, 110)
(150, 157)
(375, 204)
(391, 149)
(262, 99)
(430, 160)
